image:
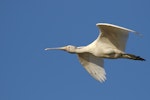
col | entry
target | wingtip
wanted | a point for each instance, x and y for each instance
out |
(139, 34)
(102, 80)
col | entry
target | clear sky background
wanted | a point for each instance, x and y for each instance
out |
(27, 72)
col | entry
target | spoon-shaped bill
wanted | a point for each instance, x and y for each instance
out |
(58, 48)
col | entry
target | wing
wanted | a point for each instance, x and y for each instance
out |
(114, 36)
(93, 65)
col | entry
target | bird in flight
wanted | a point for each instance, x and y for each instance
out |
(110, 43)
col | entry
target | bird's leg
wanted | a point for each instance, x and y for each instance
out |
(131, 56)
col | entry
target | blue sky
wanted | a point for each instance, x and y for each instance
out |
(27, 72)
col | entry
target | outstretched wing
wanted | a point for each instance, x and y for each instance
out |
(93, 65)
(114, 36)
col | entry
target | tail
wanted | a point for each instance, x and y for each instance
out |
(131, 56)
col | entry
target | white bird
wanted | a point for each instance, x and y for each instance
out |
(110, 43)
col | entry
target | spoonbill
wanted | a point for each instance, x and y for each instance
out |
(110, 43)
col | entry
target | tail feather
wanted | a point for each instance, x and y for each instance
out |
(134, 57)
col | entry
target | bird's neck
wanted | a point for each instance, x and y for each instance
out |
(81, 49)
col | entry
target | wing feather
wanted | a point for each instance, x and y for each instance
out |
(114, 36)
(93, 65)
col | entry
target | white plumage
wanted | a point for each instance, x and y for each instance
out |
(110, 43)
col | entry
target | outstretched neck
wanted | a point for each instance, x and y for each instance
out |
(81, 49)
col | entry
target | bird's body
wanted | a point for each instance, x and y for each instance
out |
(110, 44)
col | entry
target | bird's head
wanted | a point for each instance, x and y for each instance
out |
(68, 48)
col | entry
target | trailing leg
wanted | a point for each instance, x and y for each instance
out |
(131, 56)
